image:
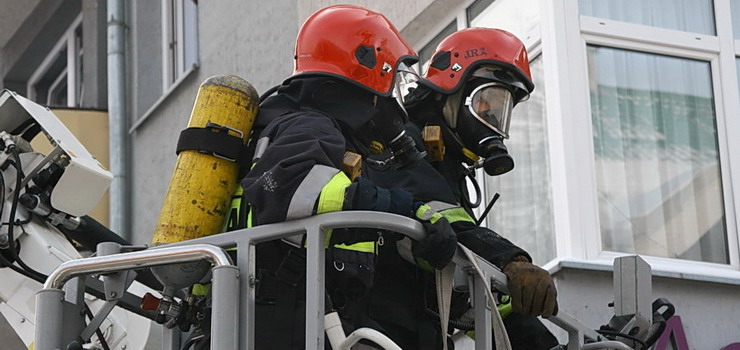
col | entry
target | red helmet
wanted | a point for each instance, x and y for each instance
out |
(462, 53)
(352, 43)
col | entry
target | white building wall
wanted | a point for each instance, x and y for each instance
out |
(708, 311)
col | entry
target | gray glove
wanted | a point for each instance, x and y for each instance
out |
(532, 289)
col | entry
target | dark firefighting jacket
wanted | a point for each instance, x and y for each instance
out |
(298, 153)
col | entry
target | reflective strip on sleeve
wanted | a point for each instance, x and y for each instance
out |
(332, 195)
(439, 206)
(426, 213)
(304, 198)
(456, 214)
(260, 147)
(331, 198)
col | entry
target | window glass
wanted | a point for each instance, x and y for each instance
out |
(521, 18)
(523, 213)
(695, 16)
(737, 69)
(656, 153)
(477, 8)
(735, 8)
(58, 82)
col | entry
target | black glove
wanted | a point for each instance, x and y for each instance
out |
(439, 246)
(532, 289)
(363, 194)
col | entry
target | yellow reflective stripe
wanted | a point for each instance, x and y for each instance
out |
(234, 211)
(331, 198)
(424, 265)
(426, 212)
(505, 309)
(456, 214)
(365, 247)
(332, 195)
(201, 289)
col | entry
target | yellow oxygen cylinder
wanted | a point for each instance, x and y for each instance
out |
(199, 196)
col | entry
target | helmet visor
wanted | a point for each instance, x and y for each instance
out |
(505, 77)
(491, 104)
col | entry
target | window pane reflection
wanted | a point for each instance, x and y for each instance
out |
(657, 163)
(520, 18)
(696, 16)
(523, 214)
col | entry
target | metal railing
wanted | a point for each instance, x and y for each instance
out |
(235, 285)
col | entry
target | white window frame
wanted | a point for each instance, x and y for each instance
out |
(67, 41)
(577, 223)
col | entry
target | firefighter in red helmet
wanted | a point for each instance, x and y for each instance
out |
(343, 97)
(475, 78)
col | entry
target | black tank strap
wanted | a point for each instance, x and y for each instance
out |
(215, 140)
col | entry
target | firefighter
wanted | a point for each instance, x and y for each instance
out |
(342, 97)
(399, 301)
(475, 78)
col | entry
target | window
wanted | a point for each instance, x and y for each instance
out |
(735, 6)
(695, 16)
(180, 39)
(524, 212)
(521, 18)
(737, 69)
(657, 161)
(57, 82)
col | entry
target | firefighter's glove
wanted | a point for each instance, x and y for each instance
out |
(439, 245)
(363, 194)
(532, 289)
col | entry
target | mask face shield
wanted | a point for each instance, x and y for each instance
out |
(492, 104)
(406, 78)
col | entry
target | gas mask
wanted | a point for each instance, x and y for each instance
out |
(482, 124)
(390, 119)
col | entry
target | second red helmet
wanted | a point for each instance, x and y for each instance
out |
(462, 53)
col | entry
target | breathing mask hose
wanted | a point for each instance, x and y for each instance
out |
(463, 188)
(389, 125)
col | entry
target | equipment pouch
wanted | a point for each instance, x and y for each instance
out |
(351, 271)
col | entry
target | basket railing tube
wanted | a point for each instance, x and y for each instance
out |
(232, 292)
(50, 299)
(315, 228)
